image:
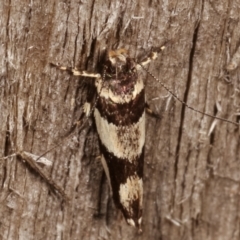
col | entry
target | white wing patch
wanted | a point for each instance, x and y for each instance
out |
(122, 141)
(130, 191)
(105, 92)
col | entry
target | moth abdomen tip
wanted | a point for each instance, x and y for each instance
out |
(137, 223)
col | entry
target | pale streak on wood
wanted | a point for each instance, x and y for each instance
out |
(32, 163)
(105, 167)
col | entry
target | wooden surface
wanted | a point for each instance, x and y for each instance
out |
(191, 175)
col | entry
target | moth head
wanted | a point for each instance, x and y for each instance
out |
(121, 75)
(118, 58)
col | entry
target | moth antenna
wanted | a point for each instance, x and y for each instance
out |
(184, 103)
(84, 122)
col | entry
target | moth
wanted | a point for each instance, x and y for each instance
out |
(119, 114)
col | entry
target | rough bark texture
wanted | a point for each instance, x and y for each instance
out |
(192, 171)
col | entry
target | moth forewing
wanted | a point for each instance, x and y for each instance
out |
(120, 121)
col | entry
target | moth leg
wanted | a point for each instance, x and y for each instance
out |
(152, 56)
(87, 109)
(32, 160)
(98, 157)
(151, 112)
(77, 72)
